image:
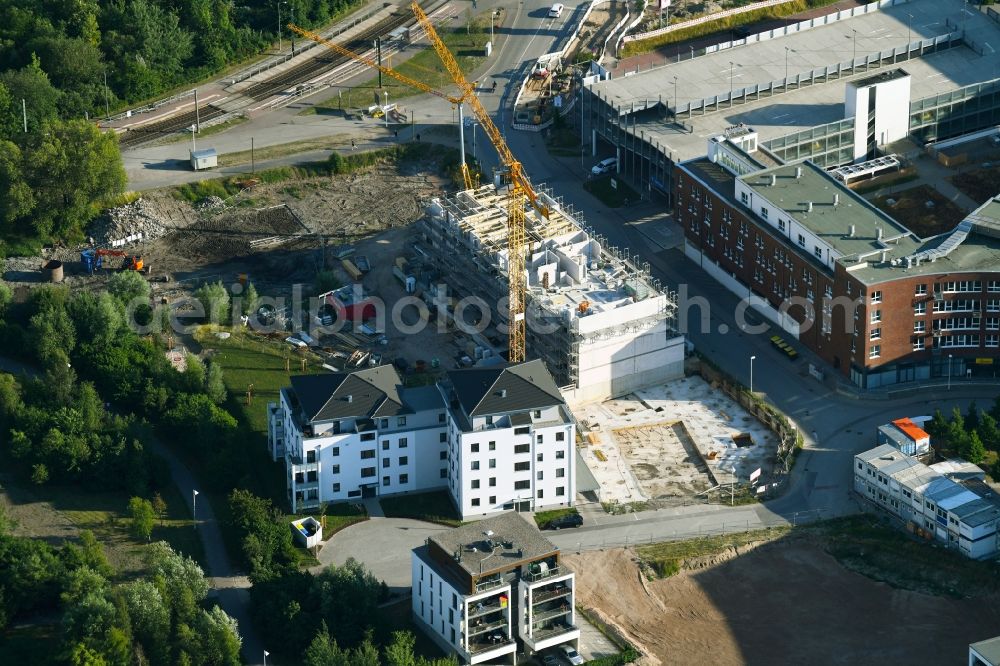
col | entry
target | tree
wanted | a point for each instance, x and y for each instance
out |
(193, 377)
(972, 417)
(215, 300)
(218, 638)
(6, 295)
(325, 281)
(267, 542)
(97, 319)
(215, 387)
(938, 425)
(150, 617)
(250, 300)
(324, 651)
(16, 197)
(975, 451)
(141, 515)
(988, 431)
(400, 651)
(39, 474)
(159, 506)
(73, 166)
(8, 112)
(32, 84)
(129, 288)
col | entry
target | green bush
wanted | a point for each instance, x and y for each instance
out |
(627, 656)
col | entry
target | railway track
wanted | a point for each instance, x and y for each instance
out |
(263, 90)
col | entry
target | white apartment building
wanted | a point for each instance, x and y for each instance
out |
(511, 438)
(961, 514)
(496, 438)
(491, 589)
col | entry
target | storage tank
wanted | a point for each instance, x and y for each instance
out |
(54, 270)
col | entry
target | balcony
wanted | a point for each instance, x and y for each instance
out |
(495, 641)
(481, 609)
(489, 584)
(542, 615)
(551, 629)
(482, 626)
(537, 573)
(548, 594)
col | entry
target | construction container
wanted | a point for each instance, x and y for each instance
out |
(204, 159)
(88, 259)
(54, 270)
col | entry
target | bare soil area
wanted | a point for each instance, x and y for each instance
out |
(785, 602)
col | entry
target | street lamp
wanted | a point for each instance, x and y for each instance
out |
(194, 507)
(675, 97)
(266, 655)
(854, 58)
(280, 2)
(909, 23)
(949, 372)
(291, 8)
(385, 108)
(752, 358)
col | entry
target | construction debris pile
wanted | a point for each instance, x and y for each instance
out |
(211, 203)
(128, 222)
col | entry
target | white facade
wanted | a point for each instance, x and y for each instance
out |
(931, 503)
(880, 106)
(519, 456)
(495, 465)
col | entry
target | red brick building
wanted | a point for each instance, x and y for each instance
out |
(879, 304)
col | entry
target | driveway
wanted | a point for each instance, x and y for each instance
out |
(383, 545)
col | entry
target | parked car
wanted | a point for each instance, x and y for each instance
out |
(604, 166)
(571, 655)
(556, 11)
(566, 520)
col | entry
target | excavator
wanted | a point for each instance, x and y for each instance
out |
(94, 259)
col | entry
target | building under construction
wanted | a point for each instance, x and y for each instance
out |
(597, 318)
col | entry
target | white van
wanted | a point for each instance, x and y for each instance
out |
(556, 10)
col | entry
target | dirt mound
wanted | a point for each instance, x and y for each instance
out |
(128, 222)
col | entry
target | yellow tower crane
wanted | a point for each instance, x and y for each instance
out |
(467, 177)
(520, 189)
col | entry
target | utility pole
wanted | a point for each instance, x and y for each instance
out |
(253, 166)
(378, 56)
(197, 114)
(107, 105)
(280, 2)
(24, 114)
(291, 8)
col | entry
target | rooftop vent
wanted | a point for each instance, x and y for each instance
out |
(878, 233)
(836, 199)
(349, 398)
(853, 230)
(502, 393)
(809, 207)
(798, 172)
(774, 180)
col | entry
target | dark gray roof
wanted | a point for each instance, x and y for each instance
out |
(371, 393)
(422, 398)
(526, 543)
(515, 388)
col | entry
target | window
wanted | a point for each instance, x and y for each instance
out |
(475, 484)
(522, 448)
(493, 500)
(763, 212)
(367, 472)
(336, 487)
(402, 442)
(540, 475)
(522, 466)
(993, 286)
(475, 501)
(920, 308)
(335, 451)
(444, 473)
(561, 472)
(538, 458)
(918, 344)
(560, 491)
(404, 460)
(385, 445)
(443, 437)
(876, 297)
(802, 240)
(475, 448)
(385, 462)
(522, 485)
(992, 324)
(875, 351)
(875, 334)
(560, 455)
(404, 478)
(539, 439)
(368, 455)
(541, 493)
(492, 446)
(368, 437)
(386, 480)
(919, 326)
(335, 469)
(854, 346)
(876, 316)
(443, 455)
(537, 414)
(560, 437)
(920, 290)
(493, 482)
(489, 420)
(818, 251)
(493, 463)
(311, 456)
(384, 423)
(744, 198)
(475, 465)
(401, 421)
(523, 430)
(992, 340)
(441, 417)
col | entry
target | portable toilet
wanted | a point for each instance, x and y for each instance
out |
(204, 159)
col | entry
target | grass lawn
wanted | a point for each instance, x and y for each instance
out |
(543, 517)
(434, 507)
(667, 558)
(614, 196)
(911, 209)
(341, 515)
(467, 47)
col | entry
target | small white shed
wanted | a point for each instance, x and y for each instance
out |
(308, 532)
(204, 159)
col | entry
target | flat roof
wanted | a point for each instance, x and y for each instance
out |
(811, 105)
(910, 429)
(479, 553)
(977, 512)
(988, 649)
(797, 185)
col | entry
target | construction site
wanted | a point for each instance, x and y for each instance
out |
(603, 325)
